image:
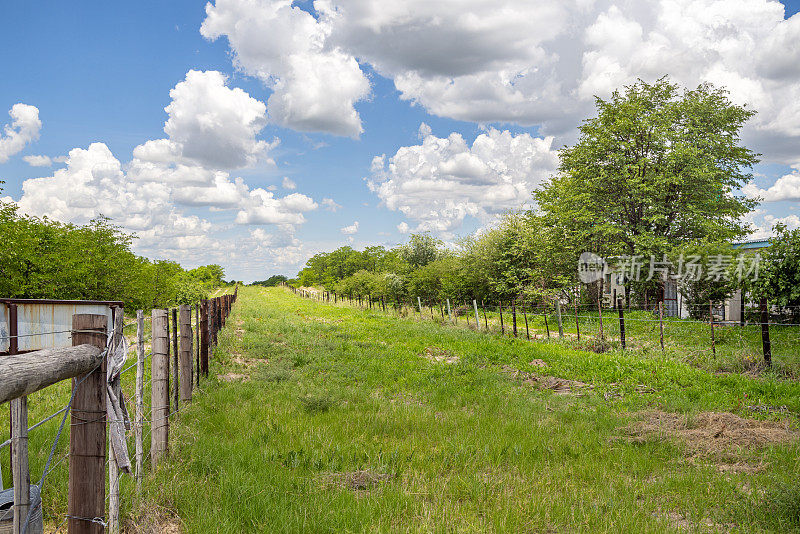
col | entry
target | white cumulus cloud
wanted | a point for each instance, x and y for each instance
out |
(210, 125)
(787, 187)
(38, 161)
(351, 229)
(315, 86)
(443, 180)
(532, 63)
(288, 183)
(331, 205)
(23, 129)
(262, 207)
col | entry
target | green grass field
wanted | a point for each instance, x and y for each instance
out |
(332, 419)
(324, 418)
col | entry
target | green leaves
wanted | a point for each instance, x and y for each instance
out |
(45, 259)
(779, 277)
(654, 169)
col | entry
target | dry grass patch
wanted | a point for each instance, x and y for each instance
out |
(234, 377)
(560, 386)
(361, 480)
(711, 435)
(154, 520)
(435, 354)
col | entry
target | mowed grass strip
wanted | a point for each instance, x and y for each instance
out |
(331, 419)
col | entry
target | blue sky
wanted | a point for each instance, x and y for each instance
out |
(327, 93)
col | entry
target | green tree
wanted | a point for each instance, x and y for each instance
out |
(421, 250)
(656, 168)
(272, 281)
(779, 270)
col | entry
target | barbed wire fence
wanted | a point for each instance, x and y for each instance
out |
(135, 383)
(765, 337)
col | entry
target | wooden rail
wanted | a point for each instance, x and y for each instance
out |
(27, 373)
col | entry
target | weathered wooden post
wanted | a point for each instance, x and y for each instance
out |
(711, 322)
(176, 380)
(139, 426)
(661, 323)
(558, 316)
(419, 305)
(765, 342)
(197, 341)
(546, 326)
(621, 323)
(577, 326)
(20, 472)
(214, 322)
(502, 326)
(449, 315)
(600, 314)
(204, 337)
(87, 437)
(160, 387)
(477, 317)
(218, 317)
(527, 330)
(514, 316)
(186, 353)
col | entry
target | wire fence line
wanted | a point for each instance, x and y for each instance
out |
(761, 339)
(137, 386)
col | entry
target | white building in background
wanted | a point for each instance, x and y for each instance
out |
(674, 301)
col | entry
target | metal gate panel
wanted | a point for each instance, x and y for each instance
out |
(44, 324)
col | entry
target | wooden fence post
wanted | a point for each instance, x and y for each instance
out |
(600, 314)
(577, 325)
(159, 419)
(514, 316)
(419, 305)
(139, 427)
(210, 316)
(558, 316)
(218, 318)
(661, 323)
(527, 331)
(87, 437)
(20, 472)
(711, 321)
(546, 326)
(197, 341)
(765, 342)
(621, 323)
(449, 315)
(176, 380)
(204, 337)
(186, 353)
(502, 326)
(477, 317)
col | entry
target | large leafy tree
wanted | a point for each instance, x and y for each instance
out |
(779, 276)
(656, 168)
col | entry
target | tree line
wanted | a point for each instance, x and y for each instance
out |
(654, 174)
(44, 259)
